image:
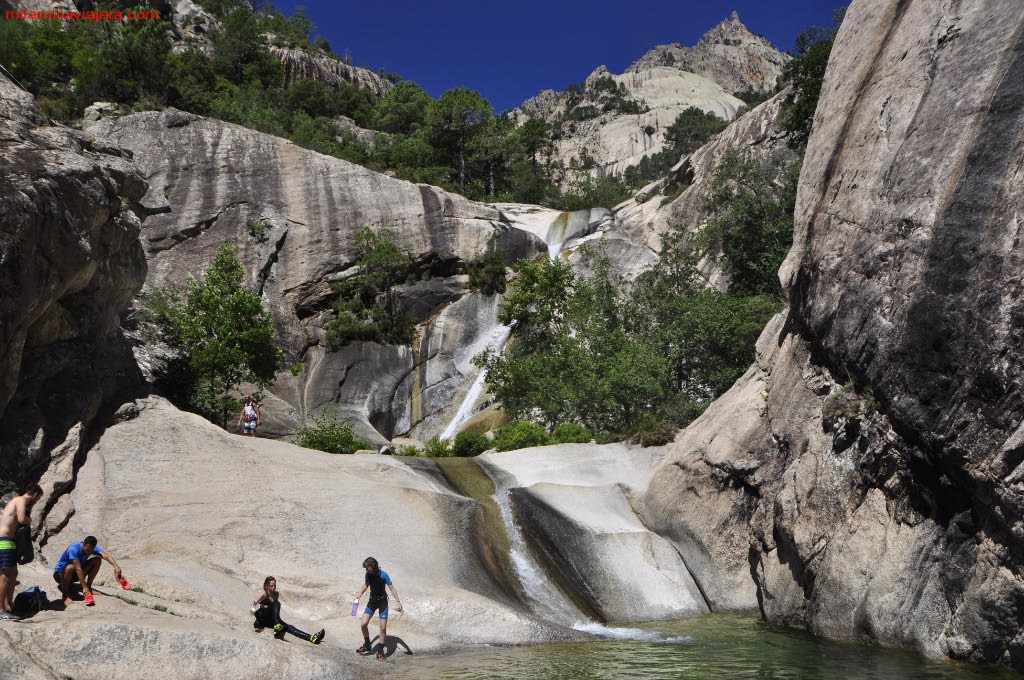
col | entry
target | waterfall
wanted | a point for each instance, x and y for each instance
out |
(545, 599)
(554, 239)
(498, 338)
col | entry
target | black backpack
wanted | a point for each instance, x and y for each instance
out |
(30, 601)
(23, 543)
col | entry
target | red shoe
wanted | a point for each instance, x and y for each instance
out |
(89, 600)
(381, 655)
(124, 582)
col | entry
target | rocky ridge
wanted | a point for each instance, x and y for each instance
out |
(668, 79)
(677, 199)
(729, 54)
(301, 64)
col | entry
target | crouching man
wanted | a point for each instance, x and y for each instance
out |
(81, 562)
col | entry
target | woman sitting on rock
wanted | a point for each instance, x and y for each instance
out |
(267, 608)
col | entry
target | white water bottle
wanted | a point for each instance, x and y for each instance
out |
(355, 607)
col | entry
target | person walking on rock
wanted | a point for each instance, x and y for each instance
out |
(15, 514)
(376, 579)
(81, 562)
(249, 418)
(267, 608)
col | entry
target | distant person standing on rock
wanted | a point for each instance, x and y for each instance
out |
(267, 608)
(249, 418)
(376, 579)
(15, 514)
(81, 562)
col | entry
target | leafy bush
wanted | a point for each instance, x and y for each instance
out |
(259, 230)
(520, 435)
(328, 434)
(656, 433)
(437, 448)
(571, 433)
(470, 444)
(751, 230)
(367, 306)
(410, 450)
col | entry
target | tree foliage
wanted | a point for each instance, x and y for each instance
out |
(220, 336)
(367, 306)
(453, 121)
(644, 357)
(805, 73)
(403, 110)
(751, 230)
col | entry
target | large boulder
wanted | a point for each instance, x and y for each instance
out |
(877, 471)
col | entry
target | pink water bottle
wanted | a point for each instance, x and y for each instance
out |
(355, 607)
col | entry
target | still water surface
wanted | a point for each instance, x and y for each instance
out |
(715, 646)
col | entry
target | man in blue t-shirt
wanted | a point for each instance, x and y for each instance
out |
(81, 562)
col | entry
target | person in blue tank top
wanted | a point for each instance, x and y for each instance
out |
(376, 579)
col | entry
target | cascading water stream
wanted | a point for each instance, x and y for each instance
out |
(499, 336)
(544, 598)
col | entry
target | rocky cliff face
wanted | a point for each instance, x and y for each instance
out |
(212, 181)
(668, 79)
(677, 200)
(872, 463)
(70, 261)
(302, 64)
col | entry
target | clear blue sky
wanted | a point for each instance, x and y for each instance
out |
(510, 51)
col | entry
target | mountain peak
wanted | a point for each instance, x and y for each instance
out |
(730, 31)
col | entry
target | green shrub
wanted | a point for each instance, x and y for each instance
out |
(259, 230)
(437, 448)
(327, 434)
(520, 435)
(410, 450)
(470, 444)
(571, 433)
(654, 431)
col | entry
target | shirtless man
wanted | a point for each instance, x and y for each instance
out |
(16, 512)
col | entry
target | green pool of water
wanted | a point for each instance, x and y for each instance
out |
(719, 647)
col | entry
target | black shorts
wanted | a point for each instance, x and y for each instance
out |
(74, 575)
